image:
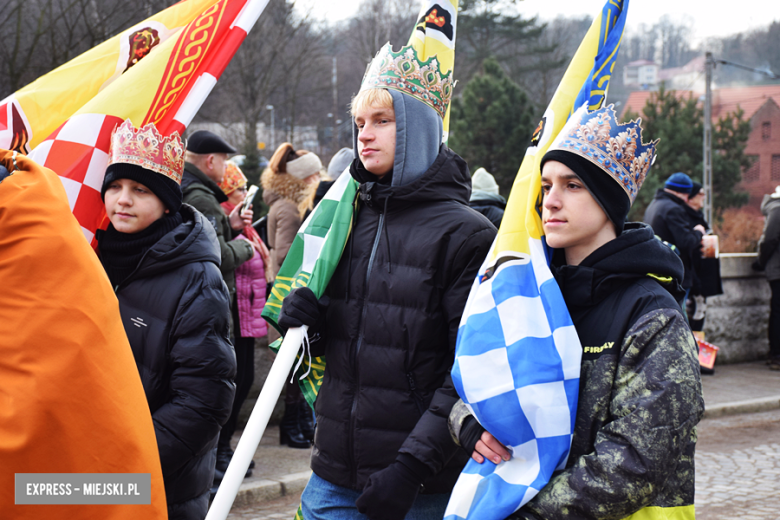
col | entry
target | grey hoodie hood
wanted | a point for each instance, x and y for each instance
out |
(418, 136)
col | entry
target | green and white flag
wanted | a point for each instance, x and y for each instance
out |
(311, 261)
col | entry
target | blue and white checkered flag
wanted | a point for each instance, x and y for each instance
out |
(517, 360)
(517, 369)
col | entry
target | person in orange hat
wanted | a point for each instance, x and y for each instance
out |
(162, 258)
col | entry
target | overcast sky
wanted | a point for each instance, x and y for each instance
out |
(707, 16)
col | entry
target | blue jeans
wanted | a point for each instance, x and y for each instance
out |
(322, 500)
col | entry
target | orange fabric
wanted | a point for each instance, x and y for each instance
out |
(71, 399)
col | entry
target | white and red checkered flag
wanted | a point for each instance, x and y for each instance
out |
(159, 71)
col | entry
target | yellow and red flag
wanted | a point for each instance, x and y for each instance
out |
(434, 35)
(159, 71)
(71, 399)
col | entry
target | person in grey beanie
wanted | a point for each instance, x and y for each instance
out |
(485, 197)
(340, 162)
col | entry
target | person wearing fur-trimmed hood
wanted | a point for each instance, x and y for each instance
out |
(289, 184)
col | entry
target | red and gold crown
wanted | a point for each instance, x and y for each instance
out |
(234, 178)
(145, 147)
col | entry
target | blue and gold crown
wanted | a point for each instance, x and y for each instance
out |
(615, 148)
(405, 72)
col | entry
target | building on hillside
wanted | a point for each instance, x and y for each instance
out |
(641, 74)
(688, 77)
(761, 105)
(648, 75)
(764, 147)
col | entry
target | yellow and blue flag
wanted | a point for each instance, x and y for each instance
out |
(517, 360)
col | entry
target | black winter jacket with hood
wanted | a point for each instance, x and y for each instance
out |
(396, 300)
(175, 310)
(668, 217)
(640, 392)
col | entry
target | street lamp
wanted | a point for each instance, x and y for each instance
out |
(332, 130)
(273, 143)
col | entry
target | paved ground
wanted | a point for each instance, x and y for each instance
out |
(281, 508)
(745, 381)
(737, 458)
(738, 467)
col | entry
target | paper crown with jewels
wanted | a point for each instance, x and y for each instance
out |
(617, 149)
(234, 178)
(145, 147)
(405, 72)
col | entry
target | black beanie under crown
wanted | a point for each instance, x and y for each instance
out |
(167, 190)
(612, 198)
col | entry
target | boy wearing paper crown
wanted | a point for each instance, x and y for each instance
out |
(389, 319)
(162, 258)
(640, 393)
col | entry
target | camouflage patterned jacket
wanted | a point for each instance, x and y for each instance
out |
(640, 391)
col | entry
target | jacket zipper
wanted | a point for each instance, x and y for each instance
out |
(351, 435)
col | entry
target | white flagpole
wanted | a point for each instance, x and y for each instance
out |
(255, 427)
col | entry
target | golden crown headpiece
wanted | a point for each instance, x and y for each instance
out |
(145, 147)
(615, 148)
(405, 72)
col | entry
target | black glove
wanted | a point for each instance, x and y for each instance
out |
(470, 433)
(389, 494)
(301, 307)
(756, 265)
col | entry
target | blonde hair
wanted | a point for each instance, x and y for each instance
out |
(373, 97)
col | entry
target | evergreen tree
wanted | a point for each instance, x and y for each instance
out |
(678, 121)
(492, 123)
(493, 29)
(729, 137)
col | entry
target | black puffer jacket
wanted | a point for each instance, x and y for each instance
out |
(640, 392)
(175, 310)
(490, 205)
(397, 297)
(668, 217)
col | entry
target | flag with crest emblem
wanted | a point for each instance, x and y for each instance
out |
(159, 71)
